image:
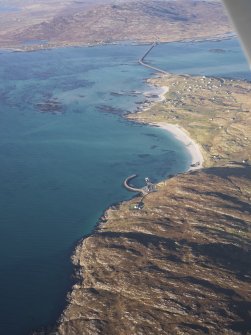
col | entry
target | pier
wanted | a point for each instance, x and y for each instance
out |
(141, 60)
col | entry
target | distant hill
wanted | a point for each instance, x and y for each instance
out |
(139, 21)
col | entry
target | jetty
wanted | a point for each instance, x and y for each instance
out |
(142, 62)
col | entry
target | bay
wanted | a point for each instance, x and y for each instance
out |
(60, 170)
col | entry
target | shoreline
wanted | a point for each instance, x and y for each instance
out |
(183, 136)
(38, 47)
(179, 133)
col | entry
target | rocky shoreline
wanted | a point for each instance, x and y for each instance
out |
(181, 264)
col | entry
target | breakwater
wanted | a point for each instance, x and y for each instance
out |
(143, 191)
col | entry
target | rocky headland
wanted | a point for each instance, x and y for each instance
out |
(181, 265)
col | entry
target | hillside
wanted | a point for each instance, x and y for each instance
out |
(181, 265)
(138, 21)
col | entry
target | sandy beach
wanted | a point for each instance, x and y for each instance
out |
(181, 135)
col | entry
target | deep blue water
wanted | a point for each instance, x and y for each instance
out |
(60, 170)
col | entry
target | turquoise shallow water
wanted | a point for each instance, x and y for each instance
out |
(59, 171)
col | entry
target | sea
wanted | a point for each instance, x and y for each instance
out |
(65, 149)
(8, 9)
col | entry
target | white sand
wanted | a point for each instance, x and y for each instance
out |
(181, 135)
